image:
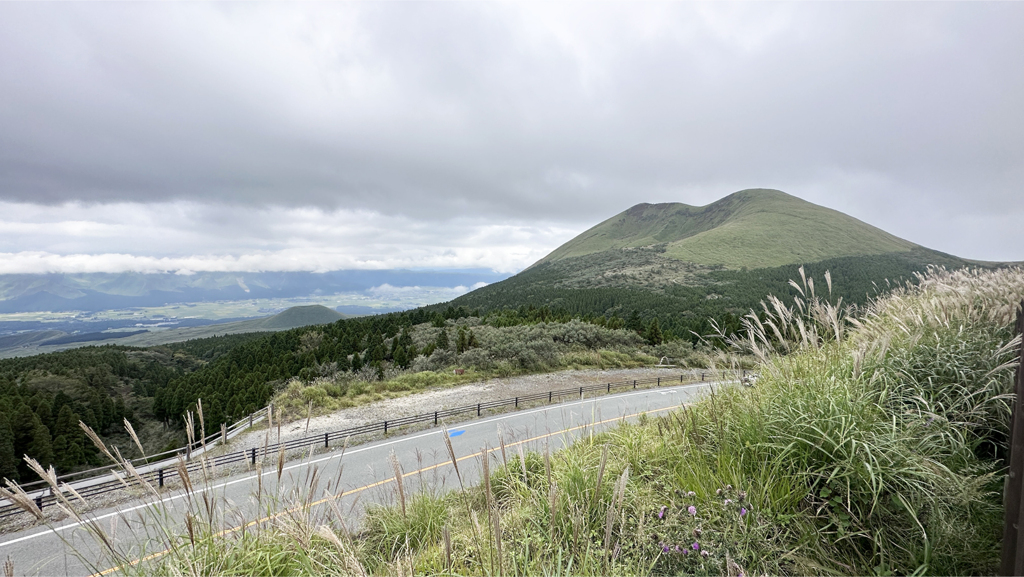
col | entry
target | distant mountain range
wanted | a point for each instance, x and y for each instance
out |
(104, 291)
(36, 342)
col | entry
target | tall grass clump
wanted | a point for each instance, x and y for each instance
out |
(873, 443)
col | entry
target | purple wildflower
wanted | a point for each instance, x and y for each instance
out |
(692, 510)
(664, 549)
(743, 511)
(696, 546)
(661, 513)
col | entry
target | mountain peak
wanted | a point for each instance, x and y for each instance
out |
(753, 228)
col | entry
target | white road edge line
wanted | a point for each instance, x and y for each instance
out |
(62, 528)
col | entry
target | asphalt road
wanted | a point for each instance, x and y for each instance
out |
(363, 474)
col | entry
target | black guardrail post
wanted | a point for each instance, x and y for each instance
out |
(549, 396)
(327, 440)
(435, 418)
(385, 427)
(39, 502)
(160, 477)
(659, 381)
(702, 377)
(478, 409)
(609, 387)
(680, 378)
(517, 402)
(581, 392)
(253, 455)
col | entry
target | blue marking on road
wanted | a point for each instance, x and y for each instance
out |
(456, 433)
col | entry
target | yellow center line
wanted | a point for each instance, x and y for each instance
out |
(159, 554)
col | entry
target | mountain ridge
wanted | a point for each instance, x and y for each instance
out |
(753, 228)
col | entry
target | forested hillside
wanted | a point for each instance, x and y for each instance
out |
(588, 286)
(43, 398)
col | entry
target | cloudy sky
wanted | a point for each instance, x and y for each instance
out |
(190, 136)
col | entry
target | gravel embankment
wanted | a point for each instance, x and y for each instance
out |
(450, 397)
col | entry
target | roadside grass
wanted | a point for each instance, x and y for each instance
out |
(872, 444)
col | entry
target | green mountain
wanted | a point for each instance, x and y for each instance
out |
(686, 265)
(757, 228)
(299, 317)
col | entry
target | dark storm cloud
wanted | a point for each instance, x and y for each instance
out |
(565, 112)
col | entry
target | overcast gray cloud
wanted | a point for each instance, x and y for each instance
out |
(328, 135)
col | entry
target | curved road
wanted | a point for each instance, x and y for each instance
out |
(364, 474)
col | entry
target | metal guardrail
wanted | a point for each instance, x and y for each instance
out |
(161, 475)
(84, 475)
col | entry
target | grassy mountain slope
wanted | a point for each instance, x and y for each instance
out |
(755, 228)
(685, 265)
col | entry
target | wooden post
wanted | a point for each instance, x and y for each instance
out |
(223, 433)
(1012, 561)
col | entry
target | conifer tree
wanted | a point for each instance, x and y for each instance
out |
(60, 454)
(654, 335)
(40, 447)
(460, 343)
(401, 359)
(634, 323)
(67, 423)
(442, 340)
(8, 458)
